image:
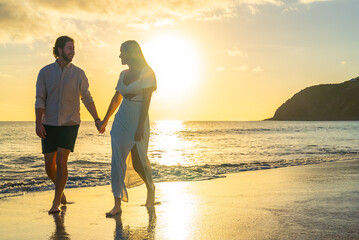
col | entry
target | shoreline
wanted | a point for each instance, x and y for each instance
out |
(317, 201)
(179, 173)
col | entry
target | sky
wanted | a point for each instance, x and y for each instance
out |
(230, 60)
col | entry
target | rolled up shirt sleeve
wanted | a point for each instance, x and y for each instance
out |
(86, 97)
(41, 94)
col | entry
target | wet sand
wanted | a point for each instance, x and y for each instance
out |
(303, 202)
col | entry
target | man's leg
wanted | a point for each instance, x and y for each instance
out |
(61, 177)
(50, 167)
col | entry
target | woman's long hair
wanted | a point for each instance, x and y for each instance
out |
(134, 50)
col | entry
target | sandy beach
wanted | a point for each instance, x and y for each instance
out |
(303, 202)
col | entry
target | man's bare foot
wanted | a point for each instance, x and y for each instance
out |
(54, 209)
(115, 210)
(63, 199)
(151, 196)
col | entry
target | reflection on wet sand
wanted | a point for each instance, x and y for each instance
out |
(136, 233)
(60, 231)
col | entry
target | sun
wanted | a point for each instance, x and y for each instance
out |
(175, 61)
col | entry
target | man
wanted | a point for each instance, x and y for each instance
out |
(59, 87)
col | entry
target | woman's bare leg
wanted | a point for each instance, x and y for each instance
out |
(136, 162)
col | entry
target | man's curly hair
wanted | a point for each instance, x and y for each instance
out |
(60, 43)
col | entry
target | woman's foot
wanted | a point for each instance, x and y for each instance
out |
(54, 209)
(115, 210)
(151, 196)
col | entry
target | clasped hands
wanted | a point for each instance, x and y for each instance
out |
(101, 126)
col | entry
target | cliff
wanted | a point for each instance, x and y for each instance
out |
(325, 102)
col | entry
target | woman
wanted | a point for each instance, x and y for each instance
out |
(130, 166)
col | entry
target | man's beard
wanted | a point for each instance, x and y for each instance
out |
(65, 57)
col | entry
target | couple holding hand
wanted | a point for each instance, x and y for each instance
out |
(59, 88)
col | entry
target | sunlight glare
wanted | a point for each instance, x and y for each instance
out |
(175, 61)
(169, 144)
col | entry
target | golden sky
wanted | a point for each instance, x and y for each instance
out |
(214, 60)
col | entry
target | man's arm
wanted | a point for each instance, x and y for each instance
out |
(40, 129)
(86, 98)
(41, 96)
(91, 108)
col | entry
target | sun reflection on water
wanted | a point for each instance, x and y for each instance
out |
(168, 144)
(178, 211)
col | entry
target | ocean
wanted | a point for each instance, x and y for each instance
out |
(178, 151)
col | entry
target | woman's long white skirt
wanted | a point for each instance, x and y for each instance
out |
(123, 130)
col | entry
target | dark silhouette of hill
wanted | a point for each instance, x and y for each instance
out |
(325, 102)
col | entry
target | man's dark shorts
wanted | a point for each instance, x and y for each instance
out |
(59, 136)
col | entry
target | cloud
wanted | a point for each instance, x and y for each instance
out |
(262, 2)
(4, 75)
(30, 20)
(164, 22)
(253, 10)
(312, 1)
(244, 68)
(220, 69)
(235, 52)
(290, 9)
(257, 70)
(19, 22)
(110, 71)
(241, 68)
